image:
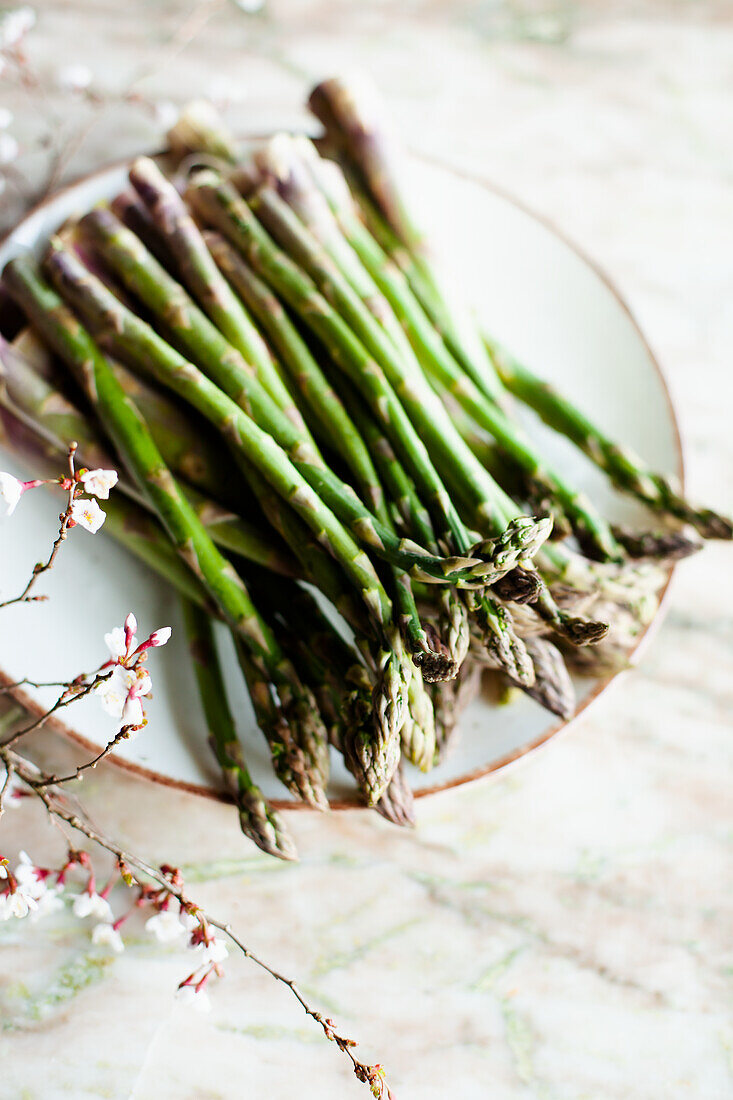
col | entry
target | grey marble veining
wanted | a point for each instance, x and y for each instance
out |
(563, 932)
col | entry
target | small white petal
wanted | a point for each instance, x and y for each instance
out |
(165, 926)
(115, 642)
(49, 902)
(14, 24)
(99, 482)
(114, 691)
(131, 624)
(132, 712)
(215, 951)
(92, 905)
(6, 117)
(11, 490)
(87, 514)
(160, 636)
(193, 998)
(18, 904)
(108, 936)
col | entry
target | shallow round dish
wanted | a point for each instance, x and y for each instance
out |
(536, 294)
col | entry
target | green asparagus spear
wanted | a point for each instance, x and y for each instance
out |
(625, 469)
(132, 338)
(30, 397)
(133, 441)
(257, 819)
(204, 280)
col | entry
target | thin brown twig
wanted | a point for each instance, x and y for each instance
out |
(56, 780)
(5, 689)
(9, 772)
(64, 700)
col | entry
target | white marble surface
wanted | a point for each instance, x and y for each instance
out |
(564, 932)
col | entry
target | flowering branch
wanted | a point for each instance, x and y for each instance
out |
(170, 886)
(122, 682)
(78, 512)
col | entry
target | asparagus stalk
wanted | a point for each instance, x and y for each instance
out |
(48, 413)
(397, 804)
(220, 206)
(625, 469)
(353, 125)
(200, 129)
(133, 441)
(204, 280)
(257, 819)
(426, 650)
(322, 400)
(450, 699)
(553, 688)
(259, 450)
(448, 374)
(133, 339)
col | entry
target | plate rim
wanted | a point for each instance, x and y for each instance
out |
(512, 758)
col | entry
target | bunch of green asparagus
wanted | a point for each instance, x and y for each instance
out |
(319, 450)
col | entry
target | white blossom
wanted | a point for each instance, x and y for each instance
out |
(214, 951)
(115, 642)
(6, 116)
(87, 514)
(131, 627)
(11, 490)
(132, 712)
(105, 934)
(14, 24)
(160, 636)
(18, 904)
(26, 876)
(165, 926)
(114, 691)
(189, 921)
(9, 148)
(99, 482)
(74, 77)
(49, 901)
(197, 999)
(92, 905)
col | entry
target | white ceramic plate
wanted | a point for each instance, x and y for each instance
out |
(538, 296)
